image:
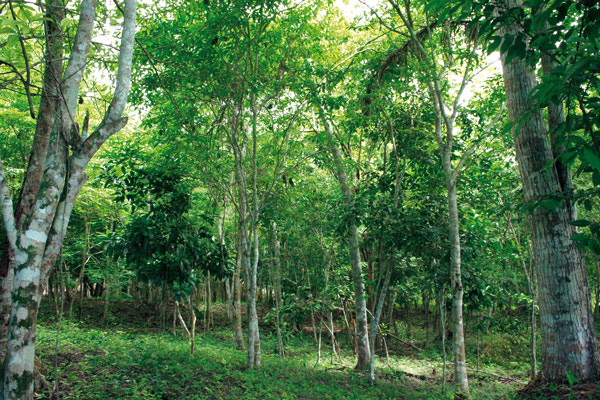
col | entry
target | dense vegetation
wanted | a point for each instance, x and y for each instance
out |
(307, 199)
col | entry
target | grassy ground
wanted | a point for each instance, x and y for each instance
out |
(129, 358)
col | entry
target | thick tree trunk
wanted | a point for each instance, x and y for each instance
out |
(566, 320)
(37, 238)
(48, 110)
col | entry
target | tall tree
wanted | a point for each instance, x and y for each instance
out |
(360, 298)
(61, 150)
(441, 51)
(569, 342)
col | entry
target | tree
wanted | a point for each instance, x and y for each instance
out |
(37, 225)
(440, 52)
(567, 323)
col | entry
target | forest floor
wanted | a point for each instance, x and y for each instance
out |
(130, 357)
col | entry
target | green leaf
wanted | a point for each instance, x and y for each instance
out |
(581, 238)
(580, 223)
(592, 158)
(571, 378)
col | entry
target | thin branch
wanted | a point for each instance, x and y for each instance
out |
(458, 169)
(26, 82)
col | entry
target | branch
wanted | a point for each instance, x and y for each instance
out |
(112, 121)
(117, 106)
(465, 80)
(26, 82)
(456, 172)
(100, 135)
(77, 61)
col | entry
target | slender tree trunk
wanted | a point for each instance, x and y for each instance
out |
(313, 322)
(375, 322)
(237, 310)
(246, 265)
(106, 302)
(460, 363)
(442, 312)
(205, 296)
(252, 274)
(242, 242)
(277, 283)
(597, 311)
(207, 314)
(392, 303)
(331, 329)
(362, 325)
(193, 325)
(229, 298)
(427, 318)
(567, 325)
(319, 342)
(254, 356)
(184, 325)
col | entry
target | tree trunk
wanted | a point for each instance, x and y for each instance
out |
(460, 363)
(392, 303)
(277, 283)
(192, 325)
(237, 309)
(53, 66)
(566, 320)
(208, 301)
(362, 325)
(375, 322)
(106, 302)
(597, 311)
(253, 330)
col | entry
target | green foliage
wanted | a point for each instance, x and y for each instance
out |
(161, 243)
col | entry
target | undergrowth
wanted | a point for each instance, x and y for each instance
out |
(117, 361)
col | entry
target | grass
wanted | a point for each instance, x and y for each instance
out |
(127, 361)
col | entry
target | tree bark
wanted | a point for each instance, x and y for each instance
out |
(246, 261)
(566, 319)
